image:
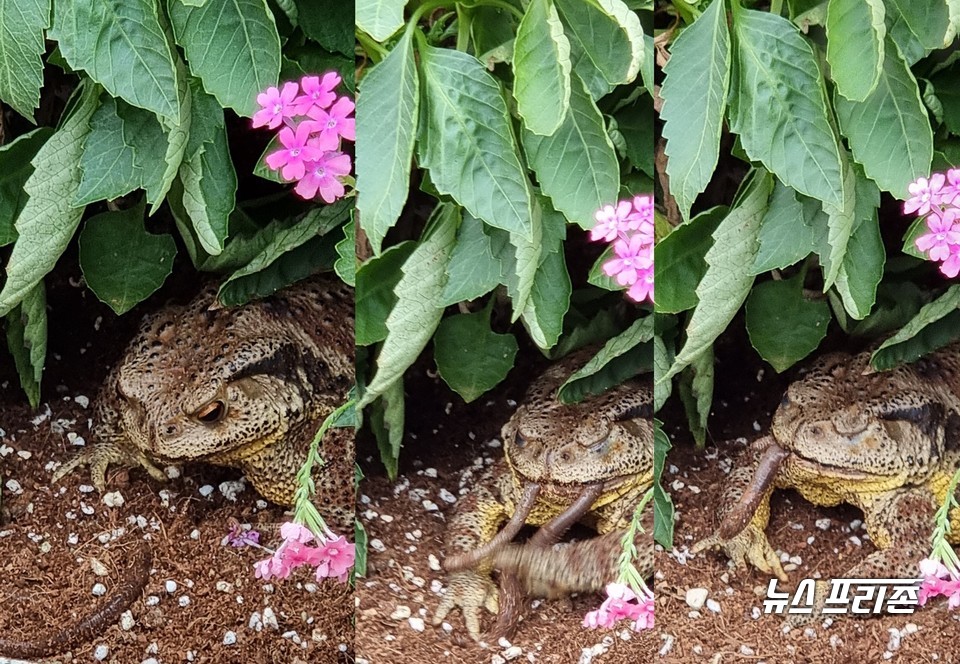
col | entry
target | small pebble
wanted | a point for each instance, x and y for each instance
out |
(183, 601)
(230, 637)
(400, 613)
(101, 652)
(416, 624)
(170, 586)
(696, 597)
(713, 605)
(99, 590)
(126, 621)
(270, 619)
(512, 652)
(113, 499)
(206, 491)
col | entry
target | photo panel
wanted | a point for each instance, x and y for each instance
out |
(806, 195)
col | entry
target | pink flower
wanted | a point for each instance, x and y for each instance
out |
(926, 193)
(951, 265)
(621, 602)
(632, 256)
(610, 221)
(335, 122)
(942, 235)
(240, 535)
(336, 559)
(331, 555)
(297, 150)
(322, 175)
(317, 92)
(645, 619)
(275, 105)
(642, 288)
(644, 206)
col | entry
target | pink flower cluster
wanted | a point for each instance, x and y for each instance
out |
(939, 199)
(314, 121)
(629, 227)
(622, 602)
(937, 580)
(333, 556)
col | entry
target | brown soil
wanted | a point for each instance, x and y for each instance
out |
(446, 436)
(747, 393)
(52, 535)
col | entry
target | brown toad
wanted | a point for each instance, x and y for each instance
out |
(885, 442)
(555, 454)
(246, 387)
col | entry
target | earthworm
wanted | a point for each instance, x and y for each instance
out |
(129, 589)
(764, 475)
(511, 591)
(508, 532)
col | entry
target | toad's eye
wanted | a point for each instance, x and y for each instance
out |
(600, 447)
(519, 441)
(212, 412)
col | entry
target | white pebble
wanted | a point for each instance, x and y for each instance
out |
(430, 506)
(430, 472)
(416, 624)
(206, 491)
(400, 613)
(113, 499)
(255, 623)
(447, 497)
(183, 601)
(194, 534)
(230, 637)
(101, 652)
(99, 590)
(224, 586)
(746, 650)
(377, 545)
(512, 652)
(433, 562)
(172, 472)
(81, 400)
(86, 488)
(270, 619)
(24, 454)
(170, 586)
(126, 621)
(713, 605)
(232, 489)
(696, 597)
(13, 486)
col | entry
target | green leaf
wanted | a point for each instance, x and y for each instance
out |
(209, 181)
(346, 265)
(917, 26)
(694, 96)
(779, 108)
(293, 253)
(233, 46)
(27, 340)
(472, 358)
(788, 233)
(947, 85)
(915, 230)
(379, 18)
(467, 143)
(598, 277)
(419, 302)
(576, 166)
(121, 45)
(636, 124)
(122, 263)
(47, 221)
(473, 270)
(935, 325)
(728, 278)
(862, 266)
(679, 263)
(108, 167)
(621, 357)
(784, 326)
(387, 109)
(841, 220)
(159, 174)
(696, 393)
(541, 67)
(662, 505)
(662, 359)
(21, 43)
(889, 132)
(606, 42)
(896, 304)
(15, 168)
(386, 421)
(548, 302)
(331, 25)
(375, 299)
(855, 45)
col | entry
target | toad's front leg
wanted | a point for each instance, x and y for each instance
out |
(473, 527)
(744, 511)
